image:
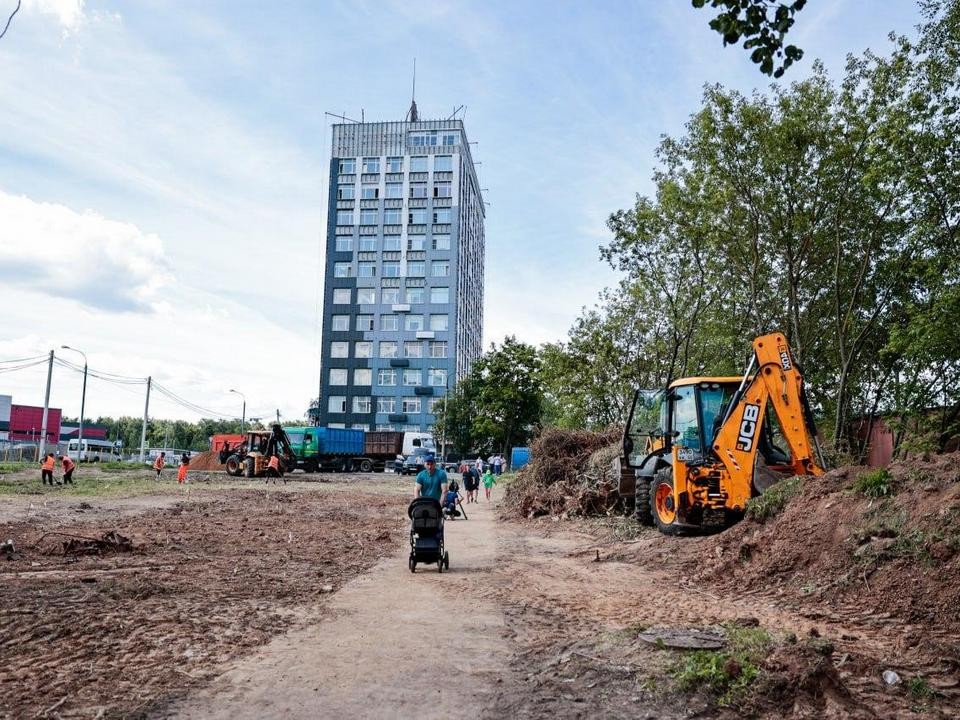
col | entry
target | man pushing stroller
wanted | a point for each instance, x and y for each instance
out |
(426, 516)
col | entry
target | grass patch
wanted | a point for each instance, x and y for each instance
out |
(726, 673)
(919, 688)
(874, 483)
(115, 466)
(774, 500)
(88, 485)
(12, 467)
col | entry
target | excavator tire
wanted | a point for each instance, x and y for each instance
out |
(233, 466)
(644, 507)
(248, 466)
(661, 503)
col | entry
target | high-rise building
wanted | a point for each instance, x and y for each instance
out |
(403, 290)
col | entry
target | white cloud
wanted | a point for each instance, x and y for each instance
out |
(69, 13)
(100, 263)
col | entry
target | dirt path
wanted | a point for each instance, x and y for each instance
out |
(397, 645)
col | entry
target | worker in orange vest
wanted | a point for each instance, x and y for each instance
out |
(68, 467)
(46, 469)
(159, 463)
(182, 471)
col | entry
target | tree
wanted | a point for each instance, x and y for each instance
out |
(764, 34)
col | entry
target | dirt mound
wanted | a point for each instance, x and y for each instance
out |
(569, 474)
(206, 461)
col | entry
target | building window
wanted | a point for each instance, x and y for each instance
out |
(394, 164)
(341, 296)
(346, 192)
(451, 139)
(363, 349)
(344, 244)
(361, 426)
(418, 190)
(339, 349)
(361, 404)
(415, 242)
(371, 192)
(391, 216)
(390, 296)
(432, 405)
(414, 296)
(386, 405)
(438, 348)
(443, 163)
(437, 377)
(410, 405)
(344, 217)
(442, 190)
(418, 163)
(412, 377)
(388, 348)
(366, 296)
(367, 243)
(441, 242)
(362, 376)
(366, 269)
(371, 165)
(364, 322)
(394, 190)
(440, 215)
(369, 217)
(386, 377)
(440, 268)
(416, 216)
(348, 166)
(439, 322)
(439, 295)
(413, 349)
(391, 242)
(340, 322)
(391, 269)
(338, 376)
(414, 322)
(337, 404)
(389, 322)
(343, 269)
(416, 269)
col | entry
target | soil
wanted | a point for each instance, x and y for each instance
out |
(206, 461)
(258, 601)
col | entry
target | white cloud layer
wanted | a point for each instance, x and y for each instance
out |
(69, 13)
(100, 263)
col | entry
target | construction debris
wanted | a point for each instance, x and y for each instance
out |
(111, 542)
(569, 474)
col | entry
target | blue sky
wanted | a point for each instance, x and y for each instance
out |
(162, 165)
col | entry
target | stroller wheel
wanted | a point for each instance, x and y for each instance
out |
(440, 565)
(412, 563)
(446, 559)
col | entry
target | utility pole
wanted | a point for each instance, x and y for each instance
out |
(143, 432)
(278, 416)
(46, 409)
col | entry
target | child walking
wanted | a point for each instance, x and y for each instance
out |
(488, 482)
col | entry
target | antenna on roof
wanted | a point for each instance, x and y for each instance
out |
(455, 111)
(412, 114)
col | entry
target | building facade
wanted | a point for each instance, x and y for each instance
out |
(403, 290)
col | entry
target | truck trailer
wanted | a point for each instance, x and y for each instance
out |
(326, 449)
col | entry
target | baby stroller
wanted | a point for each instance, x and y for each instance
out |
(426, 534)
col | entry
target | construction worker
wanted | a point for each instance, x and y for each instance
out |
(182, 471)
(46, 469)
(159, 463)
(68, 466)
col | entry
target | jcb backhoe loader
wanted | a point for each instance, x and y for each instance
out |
(252, 457)
(698, 451)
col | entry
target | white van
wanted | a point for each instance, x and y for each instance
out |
(93, 451)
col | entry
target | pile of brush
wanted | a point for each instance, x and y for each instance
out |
(571, 472)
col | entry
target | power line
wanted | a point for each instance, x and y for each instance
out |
(9, 19)
(35, 357)
(183, 402)
(24, 366)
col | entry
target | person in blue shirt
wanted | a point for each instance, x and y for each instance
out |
(450, 500)
(431, 481)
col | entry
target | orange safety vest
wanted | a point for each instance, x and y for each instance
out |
(67, 464)
(159, 463)
(48, 463)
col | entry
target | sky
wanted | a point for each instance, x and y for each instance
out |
(163, 168)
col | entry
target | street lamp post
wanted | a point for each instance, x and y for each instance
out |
(83, 400)
(243, 417)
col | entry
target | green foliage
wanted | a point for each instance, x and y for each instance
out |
(726, 673)
(764, 34)
(12, 467)
(919, 688)
(874, 483)
(774, 500)
(498, 405)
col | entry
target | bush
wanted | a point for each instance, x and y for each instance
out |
(774, 500)
(874, 483)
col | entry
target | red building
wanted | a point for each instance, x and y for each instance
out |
(26, 424)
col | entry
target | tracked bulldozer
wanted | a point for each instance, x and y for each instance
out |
(696, 452)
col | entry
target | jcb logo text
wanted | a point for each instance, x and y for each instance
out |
(748, 427)
(785, 358)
